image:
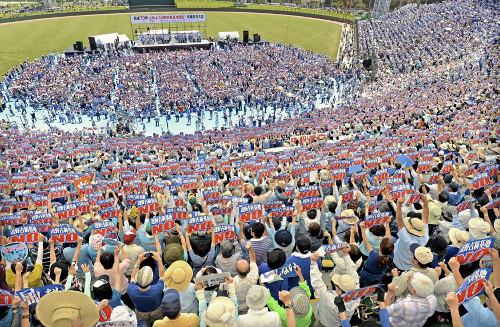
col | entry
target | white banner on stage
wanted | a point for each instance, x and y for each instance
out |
(165, 19)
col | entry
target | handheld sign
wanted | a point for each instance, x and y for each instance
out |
(282, 212)
(412, 198)
(401, 190)
(66, 211)
(212, 279)
(249, 212)
(33, 295)
(64, 233)
(279, 274)
(147, 205)
(373, 205)
(347, 196)
(42, 220)
(464, 205)
(473, 285)
(161, 224)
(5, 298)
(13, 252)
(199, 223)
(481, 180)
(378, 218)
(224, 232)
(13, 219)
(376, 190)
(311, 203)
(360, 293)
(25, 234)
(178, 213)
(327, 249)
(110, 212)
(104, 227)
(308, 191)
(474, 250)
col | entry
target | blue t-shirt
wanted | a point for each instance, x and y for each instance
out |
(115, 300)
(274, 287)
(371, 272)
(146, 301)
(478, 315)
(402, 253)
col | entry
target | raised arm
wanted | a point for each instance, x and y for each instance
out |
(399, 213)
(425, 202)
(365, 239)
(116, 270)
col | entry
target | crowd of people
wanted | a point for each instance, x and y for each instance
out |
(192, 82)
(382, 210)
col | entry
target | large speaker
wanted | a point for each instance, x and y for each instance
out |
(79, 46)
(74, 46)
(245, 36)
(93, 45)
(367, 64)
(256, 38)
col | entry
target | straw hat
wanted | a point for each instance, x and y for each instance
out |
(414, 226)
(220, 312)
(178, 275)
(300, 302)
(349, 217)
(345, 282)
(458, 237)
(478, 228)
(65, 308)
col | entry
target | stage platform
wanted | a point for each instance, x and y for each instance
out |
(204, 44)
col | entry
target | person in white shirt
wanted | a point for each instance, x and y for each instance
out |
(258, 314)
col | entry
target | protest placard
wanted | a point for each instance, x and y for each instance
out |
(347, 196)
(104, 227)
(401, 190)
(474, 250)
(25, 234)
(287, 271)
(308, 191)
(473, 285)
(161, 224)
(13, 252)
(374, 205)
(33, 295)
(224, 232)
(375, 190)
(12, 219)
(412, 198)
(378, 218)
(249, 212)
(64, 233)
(360, 293)
(281, 212)
(133, 198)
(58, 192)
(110, 212)
(177, 213)
(147, 205)
(327, 249)
(311, 203)
(199, 223)
(481, 180)
(212, 279)
(5, 298)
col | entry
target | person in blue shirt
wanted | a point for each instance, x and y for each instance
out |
(275, 259)
(146, 294)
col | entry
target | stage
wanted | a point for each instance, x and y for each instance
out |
(204, 44)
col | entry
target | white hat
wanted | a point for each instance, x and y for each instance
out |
(458, 237)
(478, 228)
(220, 312)
(257, 297)
(345, 282)
(422, 284)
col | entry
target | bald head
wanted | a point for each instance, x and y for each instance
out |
(242, 267)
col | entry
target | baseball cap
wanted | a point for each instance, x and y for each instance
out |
(144, 277)
(171, 303)
(283, 237)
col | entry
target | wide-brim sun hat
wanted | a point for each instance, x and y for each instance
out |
(219, 312)
(257, 297)
(345, 282)
(66, 307)
(178, 275)
(458, 237)
(349, 217)
(300, 302)
(414, 226)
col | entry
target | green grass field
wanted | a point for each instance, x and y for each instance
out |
(32, 39)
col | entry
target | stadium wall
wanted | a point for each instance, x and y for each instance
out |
(152, 9)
